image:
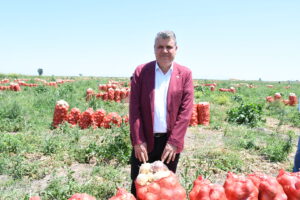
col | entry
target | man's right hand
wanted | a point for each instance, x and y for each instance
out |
(141, 153)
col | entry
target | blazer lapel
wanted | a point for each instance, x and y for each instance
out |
(151, 86)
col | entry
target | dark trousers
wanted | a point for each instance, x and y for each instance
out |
(159, 145)
(297, 158)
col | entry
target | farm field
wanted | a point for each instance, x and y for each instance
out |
(246, 134)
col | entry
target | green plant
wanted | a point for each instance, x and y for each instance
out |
(119, 143)
(246, 113)
(295, 119)
(11, 117)
(278, 150)
(222, 100)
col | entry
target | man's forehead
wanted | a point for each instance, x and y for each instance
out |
(167, 41)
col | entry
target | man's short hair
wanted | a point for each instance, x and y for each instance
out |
(166, 35)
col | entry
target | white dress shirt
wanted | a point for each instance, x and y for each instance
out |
(160, 99)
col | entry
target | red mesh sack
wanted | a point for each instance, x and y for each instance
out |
(224, 90)
(194, 117)
(156, 182)
(86, 119)
(89, 94)
(286, 101)
(290, 183)
(240, 188)
(15, 87)
(4, 81)
(99, 95)
(74, 116)
(232, 89)
(293, 99)
(125, 119)
(115, 118)
(277, 96)
(204, 190)
(60, 113)
(35, 198)
(212, 88)
(111, 94)
(123, 93)
(103, 87)
(111, 118)
(98, 116)
(210, 84)
(203, 113)
(270, 86)
(82, 196)
(269, 99)
(105, 96)
(122, 194)
(269, 188)
(117, 95)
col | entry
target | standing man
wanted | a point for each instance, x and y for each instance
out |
(161, 103)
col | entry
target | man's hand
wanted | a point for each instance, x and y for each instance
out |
(140, 151)
(169, 153)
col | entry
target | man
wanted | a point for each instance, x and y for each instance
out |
(161, 102)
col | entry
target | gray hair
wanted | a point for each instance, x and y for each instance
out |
(166, 35)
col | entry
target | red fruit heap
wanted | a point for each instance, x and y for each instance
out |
(156, 182)
(86, 119)
(204, 190)
(122, 194)
(60, 113)
(73, 116)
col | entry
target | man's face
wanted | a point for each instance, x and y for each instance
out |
(165, 51)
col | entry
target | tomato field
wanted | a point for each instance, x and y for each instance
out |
(54, 149)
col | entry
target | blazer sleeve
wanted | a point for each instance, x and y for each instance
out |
(184, 114)
(135, 120)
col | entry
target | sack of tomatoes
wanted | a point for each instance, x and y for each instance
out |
(290, 182)
(269, 188)
(122, 194)
(239, 187)
(203, 189)
(155, 182)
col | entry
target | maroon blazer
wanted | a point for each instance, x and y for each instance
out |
(180, 100)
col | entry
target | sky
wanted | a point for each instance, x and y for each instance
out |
(217, 39)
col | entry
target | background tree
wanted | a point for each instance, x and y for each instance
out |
(40, 71)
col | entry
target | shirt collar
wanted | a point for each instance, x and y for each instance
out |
(157, 68)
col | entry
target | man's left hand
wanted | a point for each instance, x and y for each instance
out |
(169, 153)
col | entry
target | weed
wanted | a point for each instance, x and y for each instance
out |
(248, 114)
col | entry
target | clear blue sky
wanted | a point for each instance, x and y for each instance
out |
(217, 39)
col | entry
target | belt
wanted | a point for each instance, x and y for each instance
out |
(158, 135)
